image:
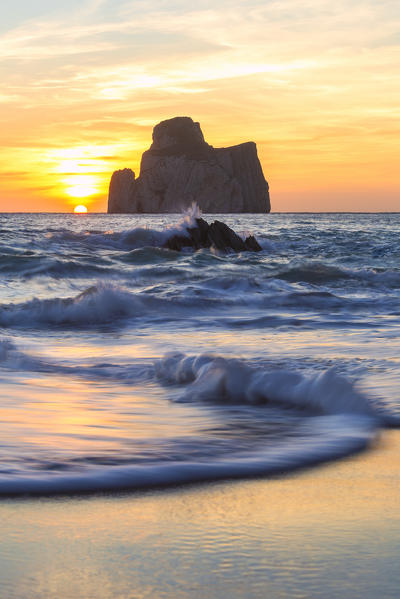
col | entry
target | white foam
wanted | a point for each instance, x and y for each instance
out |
(137, 237)
(330, 438)
(98, 304)
(339, 421)
(214, 378)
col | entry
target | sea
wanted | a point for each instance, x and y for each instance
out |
(128, 366)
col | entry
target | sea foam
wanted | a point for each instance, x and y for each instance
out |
(215, 378)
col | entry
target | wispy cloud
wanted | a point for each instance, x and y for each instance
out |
(102, 72)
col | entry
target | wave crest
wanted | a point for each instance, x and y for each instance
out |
(101, 303)
(215, 378)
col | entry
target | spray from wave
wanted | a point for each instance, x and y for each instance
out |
(215, 378)
(137, 237)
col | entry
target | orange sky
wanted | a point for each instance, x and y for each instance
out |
(314, 83)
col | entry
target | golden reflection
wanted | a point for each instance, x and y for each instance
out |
(239, 537)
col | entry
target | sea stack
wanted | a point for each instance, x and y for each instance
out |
(180, 168)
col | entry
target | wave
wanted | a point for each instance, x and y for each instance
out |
(272, 292)
(148, 255)
(12, 358)
(32, 265)
(316, 272)
(96, 305)
(139, 237)
(227, 301)
(109, 303)
(334, 420)
(215, 378)
(218, 379)
(328, 439)
(106, 304)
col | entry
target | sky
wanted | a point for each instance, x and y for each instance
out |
(314, 83)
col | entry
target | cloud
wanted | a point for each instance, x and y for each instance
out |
(294, 72)
(14, 174)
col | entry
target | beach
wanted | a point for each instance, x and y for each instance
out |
(332, 531)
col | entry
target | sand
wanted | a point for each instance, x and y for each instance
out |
(331, 531)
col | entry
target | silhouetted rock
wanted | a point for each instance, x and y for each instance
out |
(217, 235)
(122, 188)
(181, 168)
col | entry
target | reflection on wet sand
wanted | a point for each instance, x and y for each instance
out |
(329, 532)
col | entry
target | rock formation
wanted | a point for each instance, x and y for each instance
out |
(181, 168)
(217, 235)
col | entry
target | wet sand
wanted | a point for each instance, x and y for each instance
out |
(331, 531)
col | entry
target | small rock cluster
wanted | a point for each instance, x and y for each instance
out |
(217, 235)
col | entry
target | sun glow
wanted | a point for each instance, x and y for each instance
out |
(81, 186)
(80, 209)
(82, 172)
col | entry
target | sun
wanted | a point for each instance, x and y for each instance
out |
(80, 209)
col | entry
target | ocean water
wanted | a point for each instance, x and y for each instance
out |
(124, 365)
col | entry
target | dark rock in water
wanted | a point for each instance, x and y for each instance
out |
(181, 168)
(177, 242)
(217, 235)
(252, 244)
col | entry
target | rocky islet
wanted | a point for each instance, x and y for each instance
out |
(180, 168)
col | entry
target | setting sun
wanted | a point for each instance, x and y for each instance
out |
(81, 209)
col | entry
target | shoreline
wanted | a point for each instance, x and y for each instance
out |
(325, 532)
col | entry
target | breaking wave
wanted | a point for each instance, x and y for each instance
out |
(222, 379)
(332, 419)
(98, 304)
(139, 237)
(231, 301)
